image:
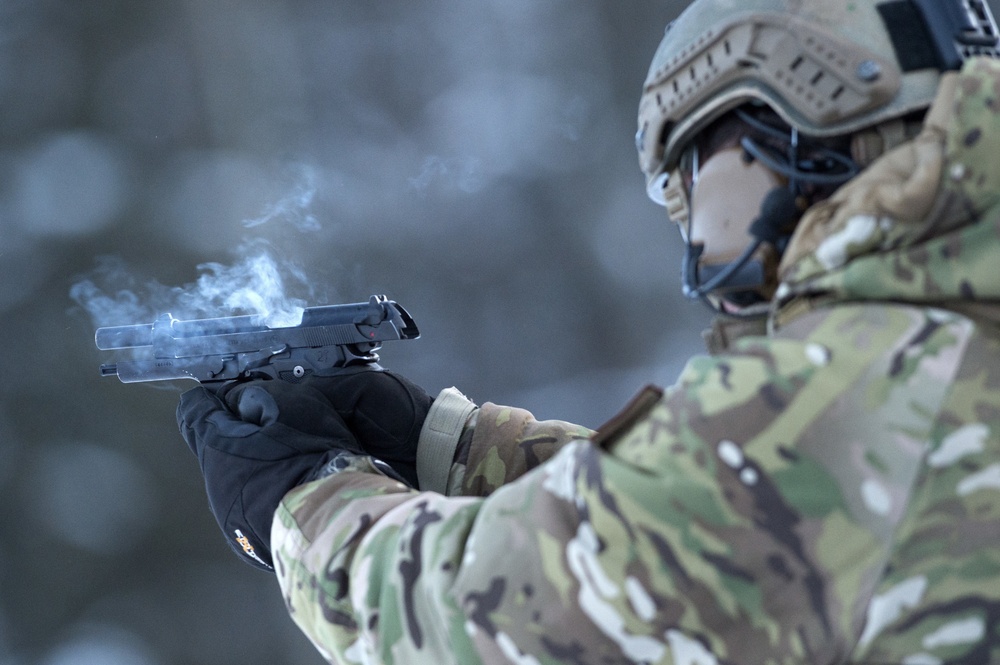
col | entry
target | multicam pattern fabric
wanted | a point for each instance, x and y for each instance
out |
(829, 493)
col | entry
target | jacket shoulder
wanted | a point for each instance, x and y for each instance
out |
(974, 139)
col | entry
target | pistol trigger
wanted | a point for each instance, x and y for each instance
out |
(217, 368)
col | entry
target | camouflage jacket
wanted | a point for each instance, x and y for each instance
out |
(828, 493)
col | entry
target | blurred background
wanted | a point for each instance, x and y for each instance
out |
(474, 161)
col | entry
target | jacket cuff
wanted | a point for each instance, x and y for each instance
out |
(439, 438)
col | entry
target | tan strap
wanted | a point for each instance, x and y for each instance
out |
(439, 438)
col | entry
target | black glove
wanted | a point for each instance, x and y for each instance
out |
(251, 460)
(383, 410)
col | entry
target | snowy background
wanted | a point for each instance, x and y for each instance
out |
(472, 160)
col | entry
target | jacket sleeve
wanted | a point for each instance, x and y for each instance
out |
(358, 552)
(373, 571)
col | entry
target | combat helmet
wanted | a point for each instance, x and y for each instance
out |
(826, 68)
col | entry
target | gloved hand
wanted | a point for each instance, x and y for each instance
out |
(272, 438)
(383, 410)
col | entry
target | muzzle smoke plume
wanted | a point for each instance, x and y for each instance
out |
(258, 285)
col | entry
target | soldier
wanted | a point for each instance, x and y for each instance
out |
(825, 488)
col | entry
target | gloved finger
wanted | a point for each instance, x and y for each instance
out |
(253, 403)
(299, 407)
(207, 424)
(195, 405)
(201, 415)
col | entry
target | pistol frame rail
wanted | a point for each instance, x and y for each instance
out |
(224, 349)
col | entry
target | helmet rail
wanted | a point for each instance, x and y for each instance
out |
(821, 81)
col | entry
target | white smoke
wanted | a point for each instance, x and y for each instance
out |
(256, 286)
(466, 174)
(294, 207)
(259, 284)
